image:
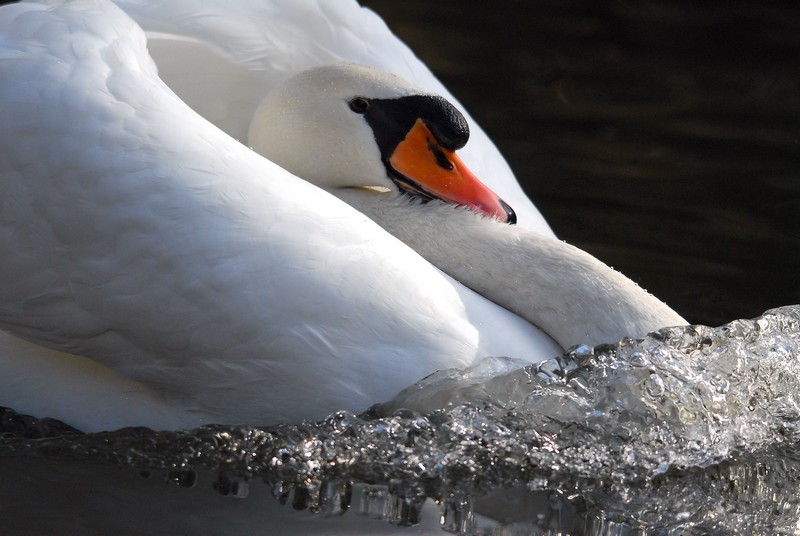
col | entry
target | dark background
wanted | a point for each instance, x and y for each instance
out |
(662, 137)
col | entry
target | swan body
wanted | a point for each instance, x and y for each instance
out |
(158, 272)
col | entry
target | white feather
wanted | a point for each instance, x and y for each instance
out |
(138, 235)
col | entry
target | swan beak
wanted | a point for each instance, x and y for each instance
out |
(424, 168)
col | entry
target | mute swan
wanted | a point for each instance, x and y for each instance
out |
(222, 58)
(365, 135)
(191, 280)
(159, 273)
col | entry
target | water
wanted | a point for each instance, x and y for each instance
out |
(688, 431)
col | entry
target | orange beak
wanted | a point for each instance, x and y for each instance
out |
(430, 171)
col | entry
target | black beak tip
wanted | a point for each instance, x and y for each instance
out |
(511, 216)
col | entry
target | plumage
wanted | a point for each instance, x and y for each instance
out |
(162, 273)
(212, 284)
(222, 59)
(309, 126)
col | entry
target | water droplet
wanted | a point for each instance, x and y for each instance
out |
(654, 386)
(229, 485)
(184, 479)
(335, 497)
(373, 500)
(457, 513)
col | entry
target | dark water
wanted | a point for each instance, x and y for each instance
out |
(663, 137)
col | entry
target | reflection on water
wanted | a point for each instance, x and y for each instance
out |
(663, 137)
(690, 430)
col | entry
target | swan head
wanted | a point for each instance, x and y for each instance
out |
(352, 126)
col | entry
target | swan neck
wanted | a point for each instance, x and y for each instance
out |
(563, 290)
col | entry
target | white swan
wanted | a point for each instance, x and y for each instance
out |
(196, 281)
(378, 135)
(222, 60)
(163, 274)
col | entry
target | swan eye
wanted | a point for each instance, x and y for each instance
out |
(359, 105)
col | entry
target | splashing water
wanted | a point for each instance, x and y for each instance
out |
(687, 431)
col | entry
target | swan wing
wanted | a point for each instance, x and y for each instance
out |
(137, 234)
